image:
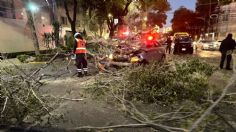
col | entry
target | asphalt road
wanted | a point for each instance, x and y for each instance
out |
(208, 54)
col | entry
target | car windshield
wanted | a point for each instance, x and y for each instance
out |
(184, 39)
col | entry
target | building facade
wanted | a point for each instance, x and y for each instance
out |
(16, 35)
(227, 21)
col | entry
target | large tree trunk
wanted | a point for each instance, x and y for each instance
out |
(32, 28)
(72, 21)
(73, 28)
(111, 26)
(111, 33)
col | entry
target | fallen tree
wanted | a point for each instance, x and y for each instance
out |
(181, 89)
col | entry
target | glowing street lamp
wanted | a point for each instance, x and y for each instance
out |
(110, 15)
(33, 7)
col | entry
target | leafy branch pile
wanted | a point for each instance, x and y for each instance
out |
(162, 83)
(178, 90)
(169, 83)
(19, 97)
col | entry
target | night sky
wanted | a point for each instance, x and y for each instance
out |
(175, 4)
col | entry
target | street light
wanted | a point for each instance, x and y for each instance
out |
(110, 15)
(33, 7)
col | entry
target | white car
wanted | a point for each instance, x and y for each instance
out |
(209, 44)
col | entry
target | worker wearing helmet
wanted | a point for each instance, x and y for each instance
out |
(80, 51)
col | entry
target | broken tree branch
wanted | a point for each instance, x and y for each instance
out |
(41, 68)
(208, 111)
(224, 120)
(64, 98)
(110, 127)
(4, 106)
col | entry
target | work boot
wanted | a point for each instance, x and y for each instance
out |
(85, 73)
(80, 74)
(229, 69)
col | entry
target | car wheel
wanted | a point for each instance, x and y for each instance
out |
(191, 51)
(144, 62)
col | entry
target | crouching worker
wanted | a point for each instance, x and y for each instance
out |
(80, 51)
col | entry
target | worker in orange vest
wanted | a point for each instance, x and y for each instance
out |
(80, 51)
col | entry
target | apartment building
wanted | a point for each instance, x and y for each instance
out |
(15, 34)
(227, 21)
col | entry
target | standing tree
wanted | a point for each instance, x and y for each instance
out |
(72, 20)
(184, 20)
(109, 10)
(155, 11)
(116, 9)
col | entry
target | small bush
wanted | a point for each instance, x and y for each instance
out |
(164, 84)
(23, 58)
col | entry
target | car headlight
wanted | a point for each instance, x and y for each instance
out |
(134, 59)
(205, 45)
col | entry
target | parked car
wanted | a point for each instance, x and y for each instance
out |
(183, 44)
(209, 44)
(145, 51)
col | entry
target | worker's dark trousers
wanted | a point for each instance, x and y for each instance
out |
(81, 63)
(168, 49)
(229, 58)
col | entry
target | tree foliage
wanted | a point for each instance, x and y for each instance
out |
(183, 19)
(72, 19)
(154, 10)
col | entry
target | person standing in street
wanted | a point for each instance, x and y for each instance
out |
(80, 51)
(226, 48)
(169, 42)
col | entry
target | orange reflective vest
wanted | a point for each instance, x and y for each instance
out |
(80, 49)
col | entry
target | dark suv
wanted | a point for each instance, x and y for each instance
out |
(183, 44)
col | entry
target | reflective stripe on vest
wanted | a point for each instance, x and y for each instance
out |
(80, 47)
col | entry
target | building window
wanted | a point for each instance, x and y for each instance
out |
(7, 9)
(2, 8)
(64, 20)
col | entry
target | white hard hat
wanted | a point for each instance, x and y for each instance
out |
(76, 34)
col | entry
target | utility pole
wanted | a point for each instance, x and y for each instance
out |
(218, 19)
(209, 20)
(32, 27)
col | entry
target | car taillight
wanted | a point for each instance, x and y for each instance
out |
(126, 33)
(150, 38)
